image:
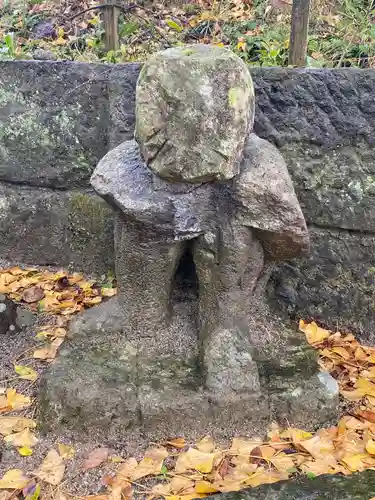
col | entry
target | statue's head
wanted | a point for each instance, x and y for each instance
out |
(194, 109)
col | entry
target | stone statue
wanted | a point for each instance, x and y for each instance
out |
(202, 206)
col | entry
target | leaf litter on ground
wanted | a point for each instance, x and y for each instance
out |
(182, 471)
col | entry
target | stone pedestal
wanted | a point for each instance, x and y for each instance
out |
(202, 206)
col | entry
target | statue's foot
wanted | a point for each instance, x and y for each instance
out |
(312, 402)
(107, 317)
(228, 363)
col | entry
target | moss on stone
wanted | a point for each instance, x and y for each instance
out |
(233, 97)
(89, 213)
(90, 218)
(288, 358)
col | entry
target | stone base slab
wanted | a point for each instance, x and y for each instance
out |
(103, 381)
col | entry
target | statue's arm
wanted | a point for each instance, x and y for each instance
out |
(268, 203)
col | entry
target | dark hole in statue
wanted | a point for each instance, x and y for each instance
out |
(185, 285)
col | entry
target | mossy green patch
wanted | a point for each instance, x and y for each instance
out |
(233, 96)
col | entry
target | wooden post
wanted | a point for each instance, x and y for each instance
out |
(299, 32)
(110, 18)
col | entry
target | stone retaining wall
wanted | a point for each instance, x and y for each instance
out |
(57, 119)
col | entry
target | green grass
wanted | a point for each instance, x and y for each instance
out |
(341, 33)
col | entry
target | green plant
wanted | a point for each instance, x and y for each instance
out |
(266, 47)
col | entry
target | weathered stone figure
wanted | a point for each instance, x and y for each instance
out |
(201, 205)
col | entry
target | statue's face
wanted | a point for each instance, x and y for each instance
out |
(195, 107)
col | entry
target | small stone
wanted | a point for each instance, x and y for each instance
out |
(44, 55)
(8, 312)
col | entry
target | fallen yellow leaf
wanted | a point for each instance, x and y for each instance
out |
(190, 496)
(352, 423)
(282, 462)
(17, 401)
(48, 353)
(15, 424)
(180, 485)
(4, 403)
(370, 447)
(262, 476)
(25, 451)
(205, 487)
(151, 464)
(14, 479)
(66, 452)
(108, 292)
(206, 444)
(354, 462)
(321, 448)
(23, 438)
(26, 372)
(314, 334)
(195, 460)
(176, 442)
(341, 351)
(267, 451)
(242, 446)
(127, 468)
(51, 469)
(296, 435)
(355, 395)
(365, 386)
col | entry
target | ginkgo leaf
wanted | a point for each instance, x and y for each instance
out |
(66, 452)
(355, 395)
(25, 451)
(4, 404)
(96, 458)
(128, 468)
(176, 442)
(296, 435)
(180, 485)
(26, 372)
(14, 479)
(15, 424)
(161, 490)
(23, 438)
(354, 462)
(365, 386)
(17, 401)
(195, 460)
(108, 292)
(314, 334)
(317, 467)
(242, 446)
(48, 353)
(282, 462)
(353, 423)
(51, 469)
(151, 464)
(205, 487)
(370, 447)
(341, 351)
(206, 444)
(320, 448)
(262, 476)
